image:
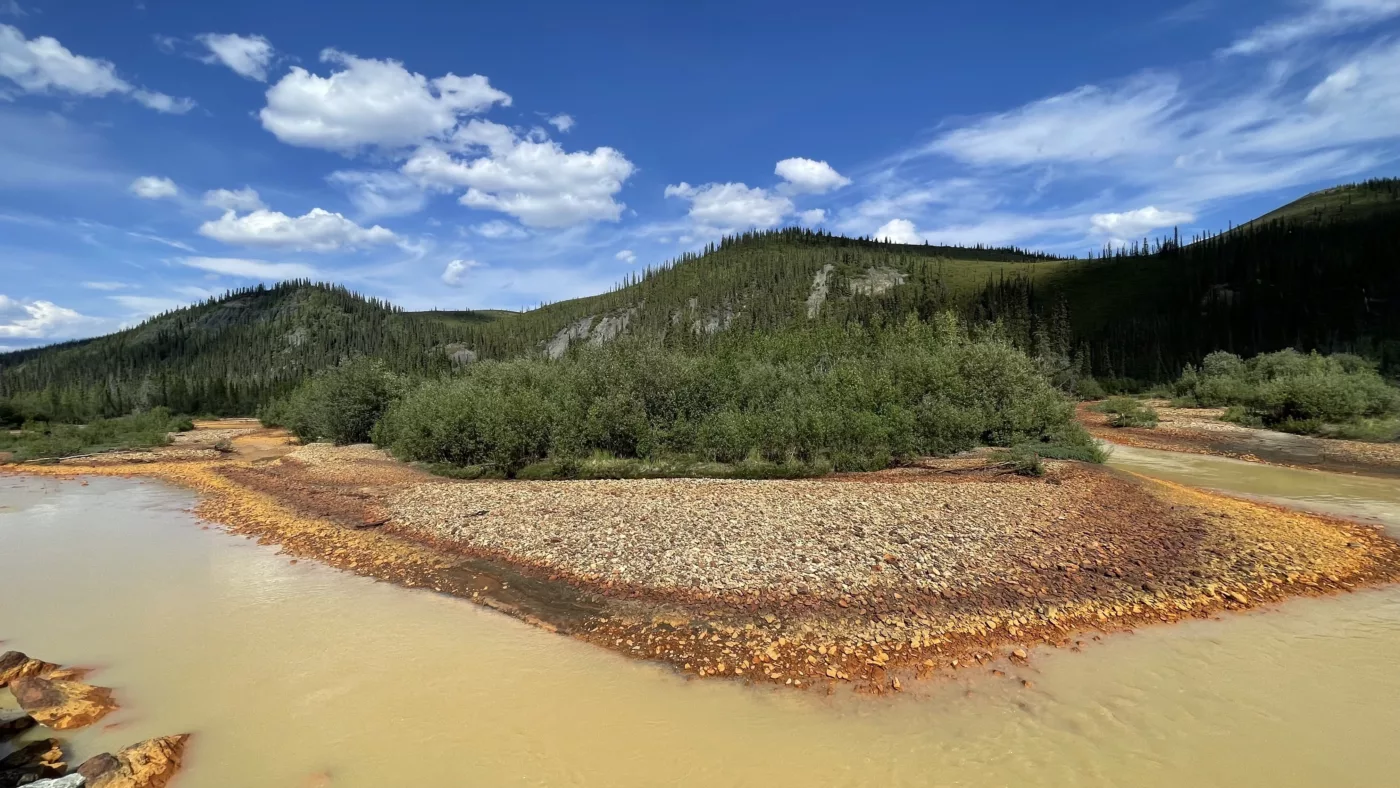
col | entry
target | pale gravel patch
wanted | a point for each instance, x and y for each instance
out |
(823, 538)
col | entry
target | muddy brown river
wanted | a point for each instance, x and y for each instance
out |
(296, 675)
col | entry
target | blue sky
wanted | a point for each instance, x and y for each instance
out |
(458, 155)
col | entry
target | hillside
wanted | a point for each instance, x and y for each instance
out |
(227, 355)
(1319, 272)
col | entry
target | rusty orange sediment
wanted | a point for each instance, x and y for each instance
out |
(1127, 552)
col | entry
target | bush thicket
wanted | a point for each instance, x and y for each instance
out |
(38, 439)
(1291, 391)
(340, 404)
(1128, 412)
(848, 398)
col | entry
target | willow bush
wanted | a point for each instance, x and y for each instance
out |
(849, 398)
(1292, 391)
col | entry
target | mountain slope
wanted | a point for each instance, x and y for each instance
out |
(1321, 272)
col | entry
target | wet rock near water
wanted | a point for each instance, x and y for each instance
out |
(148, 764)
(73, 780)
(33, 761)
(17, 665)
(60, 704)
(13, 723)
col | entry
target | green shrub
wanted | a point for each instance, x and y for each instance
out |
(43, 440)
(1089, 389)
(830, 397)
(341, 404)
(1291, 391)
(1128, 412)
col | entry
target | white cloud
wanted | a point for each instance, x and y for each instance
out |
(106, 285)
(455, 274)
(899, 231)
(627, 256)
(244, 199)
(808, 176)
(813, 217)
(562, 122)
(1132, 224)
(163, 103)
(727, 207)
(251, 269)
(1321, 18)
(12, 7)
(381, 193)
(39, 319)
(43, 65)
(152, 187)
(1084, 125)
(535, 180)
(498, 229)
(248, 56)
(371, 103)
(318, 230)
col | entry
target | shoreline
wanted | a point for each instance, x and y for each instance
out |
(1200, 431)
(1146, 552)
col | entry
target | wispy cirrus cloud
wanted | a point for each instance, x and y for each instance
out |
(1315, 19)
(1157, 149)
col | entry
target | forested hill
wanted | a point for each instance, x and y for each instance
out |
(229, 354)
(1322, 272)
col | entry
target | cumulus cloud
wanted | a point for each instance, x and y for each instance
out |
(813, 217)
(244, 199)
(318, 231)
(533, 179)
(251, 269)
(810, 177)
(21, 319)
(1131, 224)
(43, 65)
(727, 207)
(627, 256)
(368, 102)
(248, 56)
(152, 187)
(562, 122)
(381, 193)
(899, 231)
(455, 274)
(1320, 18)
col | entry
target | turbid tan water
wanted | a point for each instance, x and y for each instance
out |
(289, 673)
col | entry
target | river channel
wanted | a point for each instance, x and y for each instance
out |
(296, 675)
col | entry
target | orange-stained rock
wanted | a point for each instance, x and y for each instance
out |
(60, 704)
(15, 665)
(149, 764)
(33, 761)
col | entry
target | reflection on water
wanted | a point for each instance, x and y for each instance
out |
(286, 671)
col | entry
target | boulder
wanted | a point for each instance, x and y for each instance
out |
(73, 780)
(13, 723)
(33, 761)
(16, 665)
(149, 764)
(60, 704)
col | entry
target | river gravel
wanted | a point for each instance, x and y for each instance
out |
(722, 535)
